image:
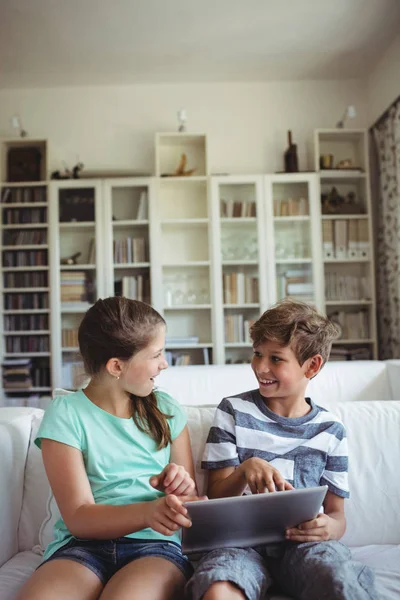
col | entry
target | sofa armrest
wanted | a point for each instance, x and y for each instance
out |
(15, 427)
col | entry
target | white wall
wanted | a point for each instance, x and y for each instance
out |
(383, 86)
(113, 127)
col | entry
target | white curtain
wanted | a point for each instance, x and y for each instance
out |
(387, 139)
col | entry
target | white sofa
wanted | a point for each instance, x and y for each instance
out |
(363, 394)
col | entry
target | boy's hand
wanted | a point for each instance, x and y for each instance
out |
(320, 529)
(174, 479)
(263, 477)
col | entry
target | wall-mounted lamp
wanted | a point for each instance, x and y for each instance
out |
(17, 124)
(349, 113)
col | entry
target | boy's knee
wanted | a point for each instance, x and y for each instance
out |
(222, 590)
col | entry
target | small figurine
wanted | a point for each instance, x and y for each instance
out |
(290, 156)
(182, 120)
(71, 260)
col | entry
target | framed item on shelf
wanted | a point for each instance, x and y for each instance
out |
(23, 164)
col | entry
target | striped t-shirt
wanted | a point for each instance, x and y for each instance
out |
(308, 451)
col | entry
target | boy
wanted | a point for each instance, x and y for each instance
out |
(274, 438)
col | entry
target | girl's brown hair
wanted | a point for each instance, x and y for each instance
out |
(118, 327)
(298, 325)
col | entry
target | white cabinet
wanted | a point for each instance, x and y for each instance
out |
(342, 163)
(239, 261)
(182, 248)
(24, 301)
(293, 238)
(77, 266)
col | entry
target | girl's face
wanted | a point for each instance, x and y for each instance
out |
(138, 373)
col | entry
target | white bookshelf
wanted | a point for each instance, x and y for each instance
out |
(292, 238)
(182, 258)
(76, 225)
(347, 237)
(24, 301)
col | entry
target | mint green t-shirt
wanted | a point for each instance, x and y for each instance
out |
(119, 458)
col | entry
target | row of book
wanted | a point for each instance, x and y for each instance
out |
(237, 329)
(296, 283)
(180, 359)
(28, 400)
(17, 374)
(73, 286)
(16, 216)
(339, 353)
(26, 301)
(346, 287)
(345, 238)
(26, 279)
(24, 237)
(25, 258)
(23, 195)
(26, 322)
(129, 250)
(69, 338)
(291, 207)
(135, 287)
(234, 208)
(27, 343)
(240, 288)
(354, 325)
(73, 374)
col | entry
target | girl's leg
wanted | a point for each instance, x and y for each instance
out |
(223, 590)
(62, 579)
(151, 577)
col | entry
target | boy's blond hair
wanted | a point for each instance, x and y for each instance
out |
(298, 325)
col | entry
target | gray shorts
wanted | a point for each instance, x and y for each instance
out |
(242, 566)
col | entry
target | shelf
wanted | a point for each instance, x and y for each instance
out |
(292, 218)
(339, 216)
(78, 307)
(27, 332)
(188, 346)
(229, 263)
(25, 290)
(341, 174)
(238, 345)
(192, 263)
(23, 204)
(358, 341)
(10, 355)
(27, 311)
(19, 184)
(348, 302)
(237, 220)
(77, 267)
(27, 247)
(13, 269)
(70, 349)
(293, 261)
(329, 261)
(244, 306)
(131, 265)
(130, 223)
(202, 221)
(193, 178)
(27, 390)
(189, 307)
(25, 226)
(74, 224)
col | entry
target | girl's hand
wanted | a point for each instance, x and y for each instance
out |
(167, 514)
(174, 479)
(263, 477)
(319, 529)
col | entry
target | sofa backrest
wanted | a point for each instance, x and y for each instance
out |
(337, 382)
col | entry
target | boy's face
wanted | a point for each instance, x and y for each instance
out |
(278, 372)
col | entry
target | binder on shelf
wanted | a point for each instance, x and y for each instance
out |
(353, 238)
(340, 238)
(142, 213)
(327, 239)
(363, 239)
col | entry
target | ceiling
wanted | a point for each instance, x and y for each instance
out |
(96, 42)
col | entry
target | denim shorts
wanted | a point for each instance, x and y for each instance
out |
(106, 557)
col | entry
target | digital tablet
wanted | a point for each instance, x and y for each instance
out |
(251, 520)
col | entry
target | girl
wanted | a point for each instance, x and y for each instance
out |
(118, 459)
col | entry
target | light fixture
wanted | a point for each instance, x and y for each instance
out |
(349, 113)
(182, 119)
(17, 124)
